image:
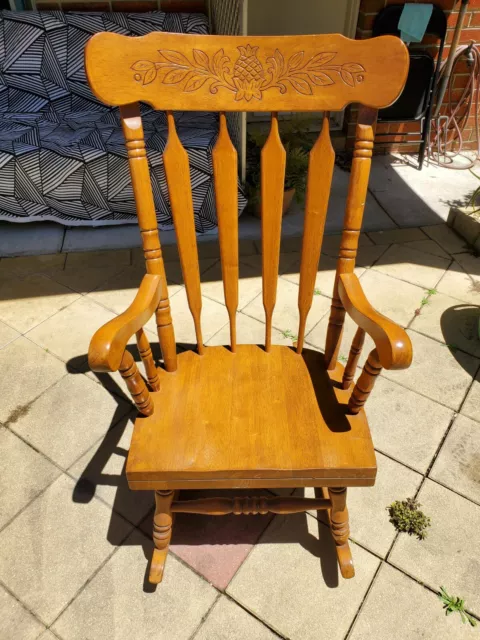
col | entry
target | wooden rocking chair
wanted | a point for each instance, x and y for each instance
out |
(246, 416)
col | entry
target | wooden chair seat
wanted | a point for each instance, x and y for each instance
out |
(251, 419)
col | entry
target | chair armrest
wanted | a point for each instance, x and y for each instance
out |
(391, 341)
(109, 342)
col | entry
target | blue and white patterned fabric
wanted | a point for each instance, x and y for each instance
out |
(62, 153)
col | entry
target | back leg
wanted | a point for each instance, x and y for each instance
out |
(162, 533)
(338, 517)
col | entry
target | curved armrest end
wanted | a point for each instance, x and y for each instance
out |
(108, 344)
(392, 342)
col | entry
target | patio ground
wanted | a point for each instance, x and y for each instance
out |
(74, 541)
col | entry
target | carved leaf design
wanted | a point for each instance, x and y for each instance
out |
(301, 85)
(321, 78)
(347, 77)
(295, 61)
(175, 57)
(201, 58)
(321, 59)
(143, 65)
(150, 76)
(175, 76)
(353, 67)
(194, 83)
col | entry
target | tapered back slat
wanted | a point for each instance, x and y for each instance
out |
(187, 72)
(272, 179)
(319, 180)
(225, 173)
(177, 171)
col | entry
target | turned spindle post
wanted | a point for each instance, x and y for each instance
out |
(136, 384)
(162, 533)
(353, 357)
(365, 382)
(145, 352)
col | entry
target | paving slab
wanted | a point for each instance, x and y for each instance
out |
(228, 621)
(78, 239)
(249, 331)
(450, 321)
(69, 417)
(119, 604)
(67, 334)
(27, 301)
(295, 564)
(458, 464)
(17, 622)
(397, 236)
(471, 406)
(446, 238)
(449, 554)
(406, 425)
(32, 238)
(462, 280)
(428, 246)
(26, 265)
(53, 547)
(416, 267)
(7, 334)
(249, 282)
(85, 279)
(454, 371)
(23, 475)
(22, 360)
(213, 317)
(397, 606)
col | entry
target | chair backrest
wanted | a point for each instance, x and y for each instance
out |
(229, 73)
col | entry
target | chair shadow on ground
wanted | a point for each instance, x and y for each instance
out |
(460, 328)
(189, 529)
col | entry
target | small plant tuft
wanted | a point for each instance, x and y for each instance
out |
(317, 292)
(289, 334)
(342, 358)
(406, 516)
(455, 603)
(431, 292)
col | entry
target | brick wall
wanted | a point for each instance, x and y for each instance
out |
(471, 31)
(131, 6)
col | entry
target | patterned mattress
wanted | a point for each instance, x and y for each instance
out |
(62, 154)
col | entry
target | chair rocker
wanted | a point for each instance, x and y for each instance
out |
(248, 416)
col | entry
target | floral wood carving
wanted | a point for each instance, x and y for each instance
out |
(247, 78)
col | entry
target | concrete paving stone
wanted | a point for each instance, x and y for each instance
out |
(393, 482)
(285, 314)
(17, 622)
(406, 425)
(446, 238)
(30, 239)
(213, 317)
(26, 265)
(394, 298)
(85, 279)
(97, 259)
(27, 301)
(249, 283)
(295, 563)
(228, 621)
(450, 321)
(109, 237)
(462, 280)
(116, 605)
(27, 370)
(423, 269)
(54, 546)
(471, 406)
(458, 464)
(7, 334)
(428, 246)
(397, 236)
(249, 331)
(209, 247)
(397, 606)
(449, 554)
(101, 472)
(24, 473)
(325, 277)
(67, 334)
(48, 635)
(69, 417)
(436, 371)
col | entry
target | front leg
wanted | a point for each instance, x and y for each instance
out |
(339, 526)
(162, 533)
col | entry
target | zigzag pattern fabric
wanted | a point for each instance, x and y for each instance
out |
(62, 152)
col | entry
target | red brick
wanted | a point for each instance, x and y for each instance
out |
(85, 6)
(460, 80)
(365, 21)
(187, 6)
(136, 6)
(405, 127)
(371, 6)
(469, 34)
(47, 6)
(475, 19)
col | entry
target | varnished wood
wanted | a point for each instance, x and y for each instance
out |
(177, 171)
(273, 158)
(277, 416)
(248, 417)
(319, 180)
(136, 384)
(225, 172)
(145, 352)
(246, 73)
(352, 223)
(250, 505)
(147, 220)
(162, 533)
(365, 382)
(353, 357)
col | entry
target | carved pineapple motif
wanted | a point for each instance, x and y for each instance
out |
(248, 74)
